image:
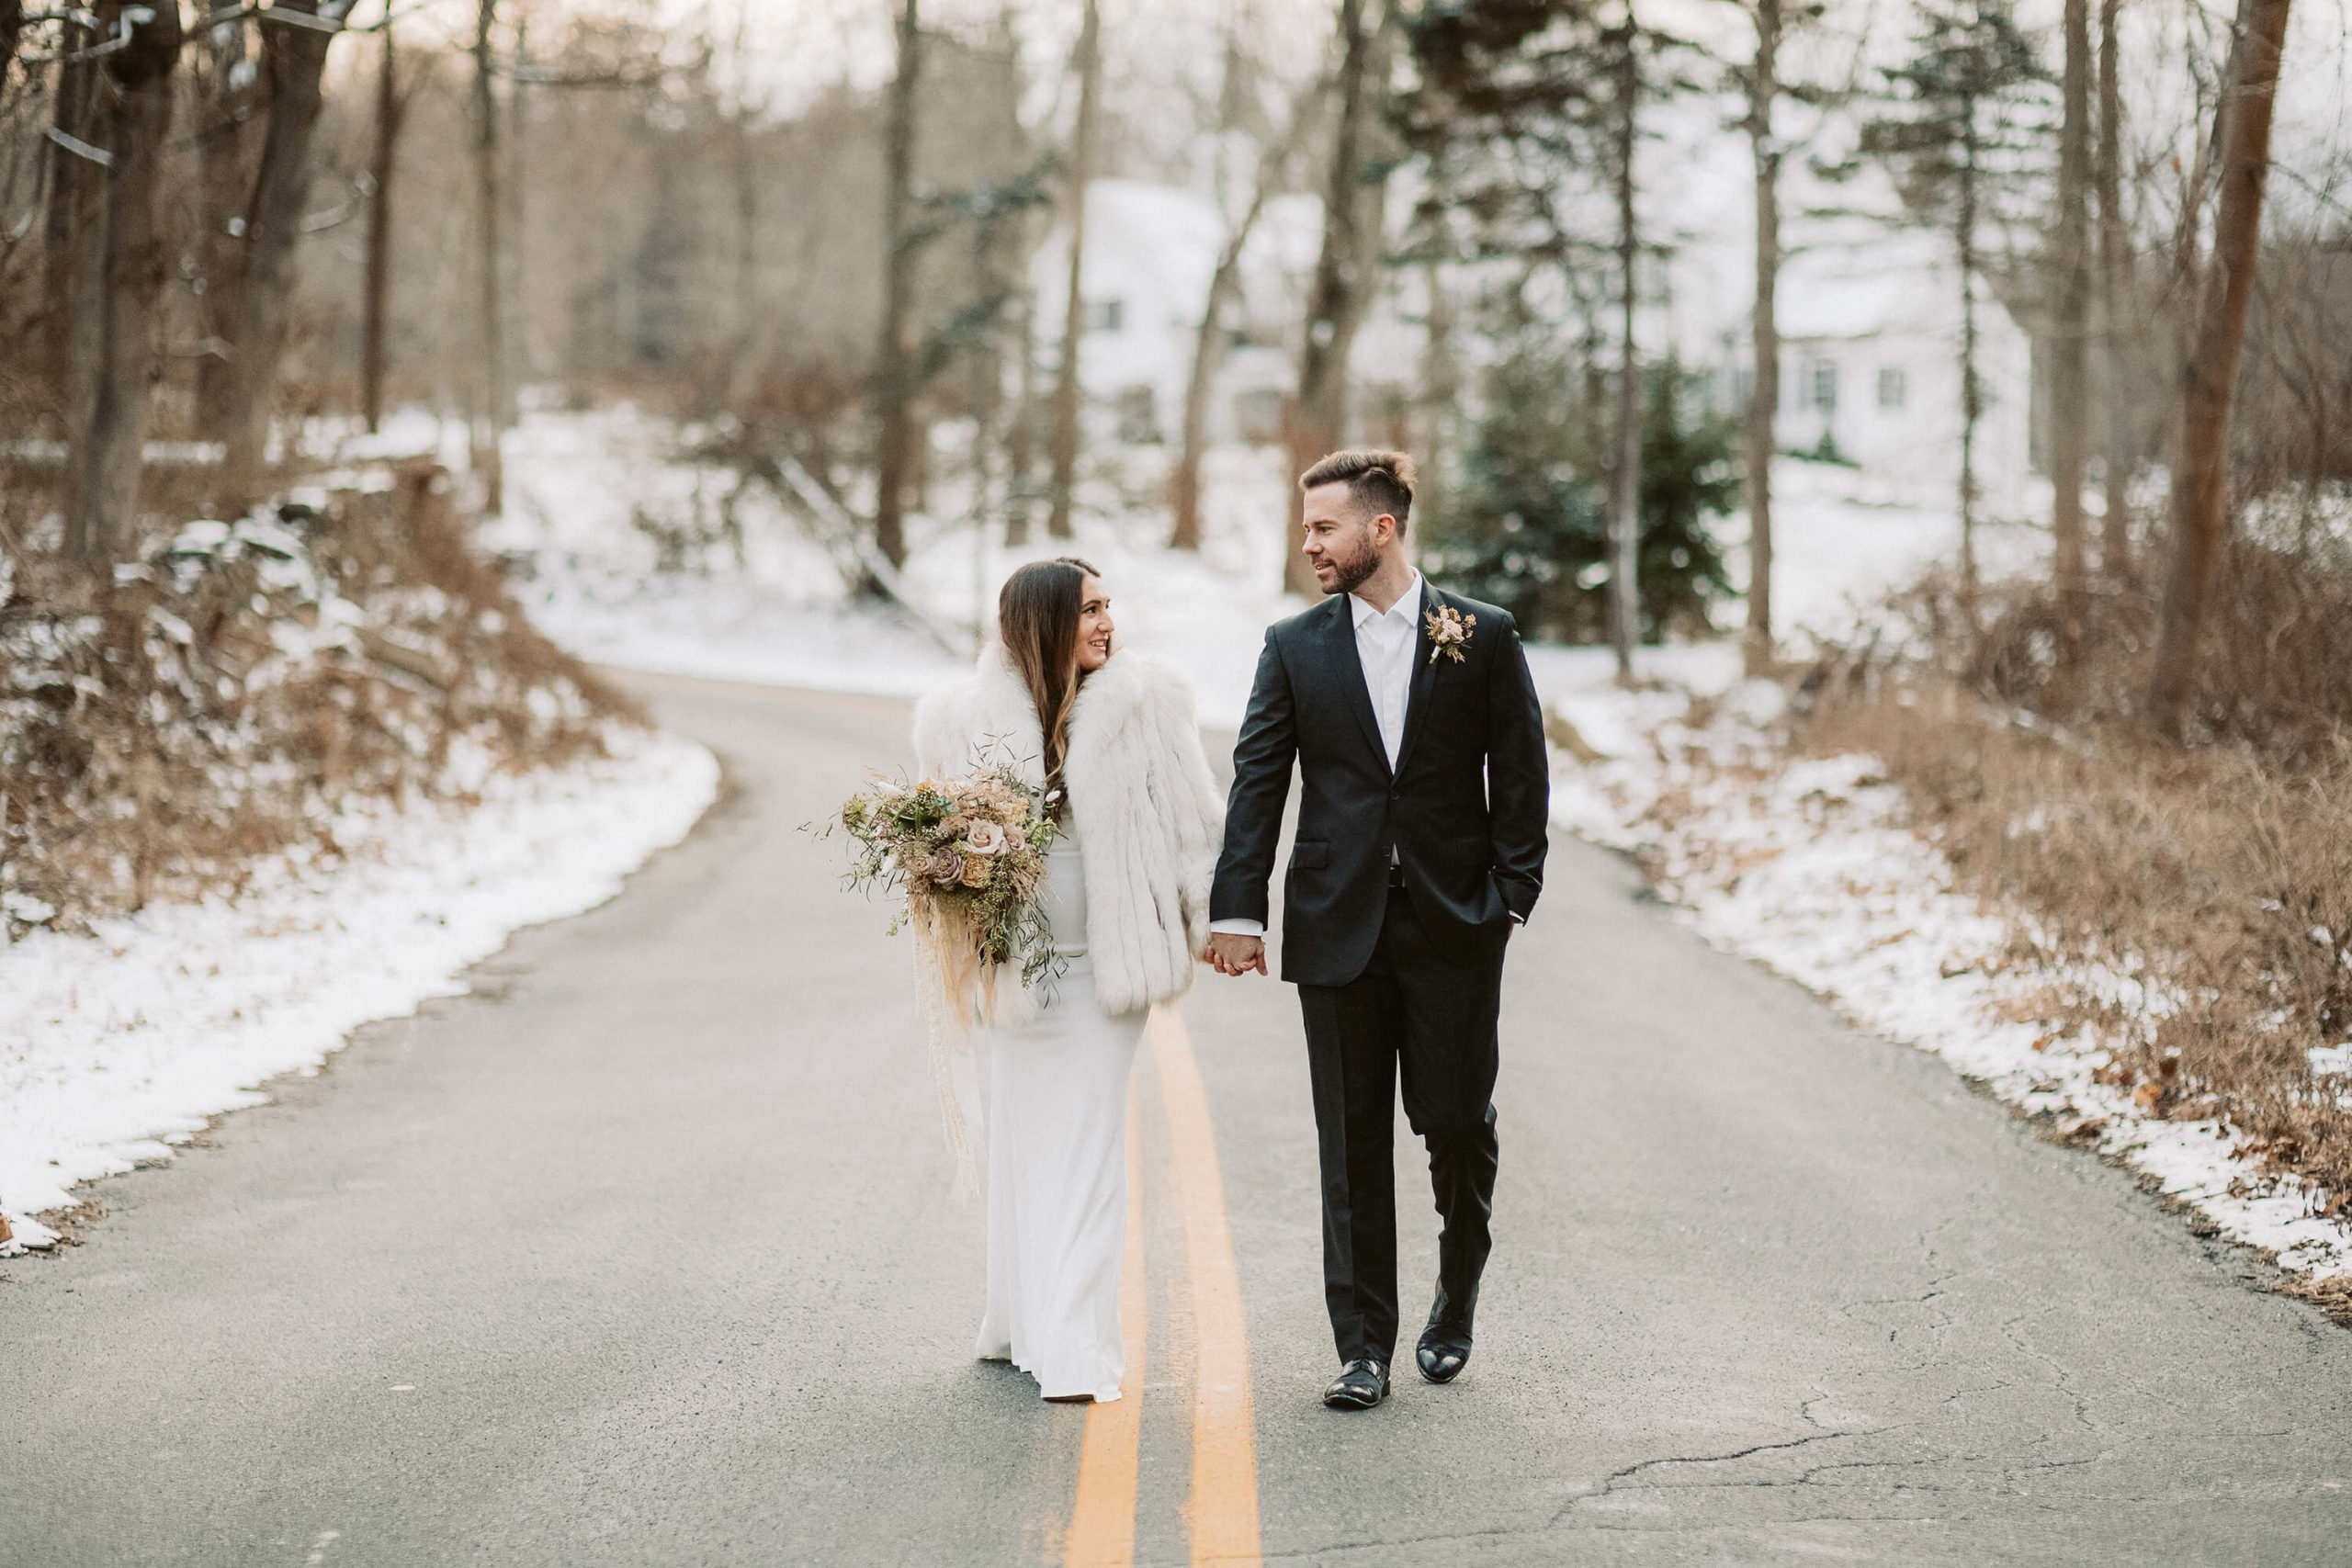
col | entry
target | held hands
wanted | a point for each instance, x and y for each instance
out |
(1230, 954)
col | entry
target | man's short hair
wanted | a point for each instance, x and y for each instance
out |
(1380, 482)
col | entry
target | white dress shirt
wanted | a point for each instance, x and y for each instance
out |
(1385, 642)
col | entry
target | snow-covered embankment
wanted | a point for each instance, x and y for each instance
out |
(115, 1046)
(1808, 866)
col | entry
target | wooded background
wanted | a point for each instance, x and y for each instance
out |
(221, 224)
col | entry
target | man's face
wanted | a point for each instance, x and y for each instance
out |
(1342, 545)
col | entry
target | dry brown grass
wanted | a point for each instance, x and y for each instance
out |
(155, 742)
(2226, 869)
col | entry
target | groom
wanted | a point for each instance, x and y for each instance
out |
(1420, 844)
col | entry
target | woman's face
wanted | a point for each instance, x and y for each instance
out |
(1094, 626)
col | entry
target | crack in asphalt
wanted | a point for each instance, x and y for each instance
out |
(1610, 1482)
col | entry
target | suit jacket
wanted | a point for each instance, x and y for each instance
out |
(1465, 808)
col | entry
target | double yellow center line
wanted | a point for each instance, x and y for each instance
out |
(1221, 1514)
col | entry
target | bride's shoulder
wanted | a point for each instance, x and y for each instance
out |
(1136, 695)
(982, 701)
(1145, 680)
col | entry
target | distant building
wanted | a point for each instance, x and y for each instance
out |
(1870, 368)
(1150, 252)
(1869, 320)
(1869, 316)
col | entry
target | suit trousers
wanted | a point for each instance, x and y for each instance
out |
(1429, 1018)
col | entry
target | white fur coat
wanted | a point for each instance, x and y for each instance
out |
(1148, 812)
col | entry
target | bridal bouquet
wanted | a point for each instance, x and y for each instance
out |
(969, 855)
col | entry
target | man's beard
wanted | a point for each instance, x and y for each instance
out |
(1353, 569)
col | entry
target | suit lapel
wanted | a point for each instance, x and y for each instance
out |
(1341, 628)
(1424, 674)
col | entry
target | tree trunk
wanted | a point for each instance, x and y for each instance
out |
(490, 390)
(1316, 421)
(1209, 340)
(1625, 492)
(133, 118)
(747, 215)
(2187, 258)
(993, 260)
(74, 237)
(1021, 440)
(1066, 383)
(224, 144)
(2200, 493)
(1971, 393)
(2115, 295)
(892, 360)
(379, 285)
(293, 57)
(1441, 396)
(2070, 346)
(1764, 387)
(514, 189)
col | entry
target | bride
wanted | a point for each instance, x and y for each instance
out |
(1110, 738)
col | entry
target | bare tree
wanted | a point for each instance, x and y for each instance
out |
(227, 96)
(1345, 273)
(2070, 345)
(130, 115)
(893, 367)
(391, 106)
(1081, 170)
(1964, 121)
(491, 393)
(744, 166)
(294, 57)
(1764, 387)
(73, 225)
(2201, 490)
(1625, 489)
(1021, 437)
(1210, 338)
(2115, 294)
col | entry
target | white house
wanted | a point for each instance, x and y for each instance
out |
(1869, 314)
(1150, 251)
(1869, 311)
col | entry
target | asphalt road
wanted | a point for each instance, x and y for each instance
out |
(640, 1255)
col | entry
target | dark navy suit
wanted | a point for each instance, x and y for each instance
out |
(1403, 888)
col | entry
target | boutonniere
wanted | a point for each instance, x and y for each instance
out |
(1449, 630)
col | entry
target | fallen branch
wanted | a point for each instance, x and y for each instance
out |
(427, 667)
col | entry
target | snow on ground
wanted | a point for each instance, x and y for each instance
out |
(1843, 540)
(116, 1046)
(588, 493)
(1805, 866)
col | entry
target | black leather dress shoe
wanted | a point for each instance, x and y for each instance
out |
(1443, 1353)
(1360, 1386)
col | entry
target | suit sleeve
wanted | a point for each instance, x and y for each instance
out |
(1518, 776)
(1253, 810)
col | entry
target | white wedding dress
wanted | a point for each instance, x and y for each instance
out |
(1056, 1123)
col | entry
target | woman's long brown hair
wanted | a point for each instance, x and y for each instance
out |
(1036, 614)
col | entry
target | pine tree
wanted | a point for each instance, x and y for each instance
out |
(1970, 123)
(1527, 527)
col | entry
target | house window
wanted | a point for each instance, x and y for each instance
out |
(1892, 388)
(1821, 385)
(1105, 315)
(1743, 385)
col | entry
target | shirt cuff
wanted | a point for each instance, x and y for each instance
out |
(1232, 925)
